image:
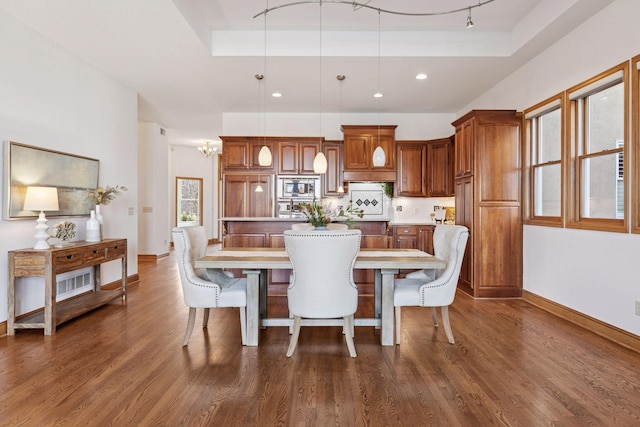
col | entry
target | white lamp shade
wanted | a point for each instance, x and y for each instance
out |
(264, 156)
(320, 163)
(41, 199)
(379, 157)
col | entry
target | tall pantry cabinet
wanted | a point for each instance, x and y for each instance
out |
(487, 164)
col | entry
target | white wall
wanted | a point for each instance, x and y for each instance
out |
(52, 100)
(188, 162)
(153, 201)
(596, 273)
(410, 126)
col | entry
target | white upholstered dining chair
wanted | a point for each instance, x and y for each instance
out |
(208, 288)
(426, 288)
(322, 285)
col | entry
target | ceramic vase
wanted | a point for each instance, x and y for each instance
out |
(93, 229)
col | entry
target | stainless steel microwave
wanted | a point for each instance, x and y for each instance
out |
(297, 187)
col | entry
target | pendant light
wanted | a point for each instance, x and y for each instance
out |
(379, 156)
(320, 161)
(264, 156)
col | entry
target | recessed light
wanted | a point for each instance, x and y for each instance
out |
(276, 94)
(378, 95)
(421, 76)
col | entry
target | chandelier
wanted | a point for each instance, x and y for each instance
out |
(207, 150)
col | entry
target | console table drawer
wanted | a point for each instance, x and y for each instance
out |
(95, 256)
(116, 250)
(67, 261)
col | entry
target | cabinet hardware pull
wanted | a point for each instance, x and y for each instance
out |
(69, 256)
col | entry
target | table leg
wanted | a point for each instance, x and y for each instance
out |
(263, 296)
(377, 295)
(253, 306)
(387, 328)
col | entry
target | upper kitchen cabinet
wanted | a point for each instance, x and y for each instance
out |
(240, 153)
(440, 168)
(332, 179)
(295, 157)
(425, 168)
(359, 144)
(488, 202)
(412, 169)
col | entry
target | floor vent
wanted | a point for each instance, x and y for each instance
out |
(74, 283)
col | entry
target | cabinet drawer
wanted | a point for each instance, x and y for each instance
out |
(66, 262)
(116, 250)
(94, 256)
(406, 230)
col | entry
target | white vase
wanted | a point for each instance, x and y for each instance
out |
(99, 214)
(93, 229)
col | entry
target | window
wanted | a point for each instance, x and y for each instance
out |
(544, 162)
(598, 115)
(188, 201)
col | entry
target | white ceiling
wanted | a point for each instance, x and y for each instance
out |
(192, 60)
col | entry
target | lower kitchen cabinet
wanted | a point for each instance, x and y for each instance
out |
(413, 237)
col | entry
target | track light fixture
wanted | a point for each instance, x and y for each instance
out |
(469, 21)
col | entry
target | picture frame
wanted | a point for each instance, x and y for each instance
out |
(27, 165)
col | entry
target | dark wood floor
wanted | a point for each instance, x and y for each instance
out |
(123, 364)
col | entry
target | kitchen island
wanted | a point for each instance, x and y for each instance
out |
(268, 232)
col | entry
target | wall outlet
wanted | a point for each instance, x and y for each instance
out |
(637, 308)
(130, 211)
(436, 208)
(399, 208)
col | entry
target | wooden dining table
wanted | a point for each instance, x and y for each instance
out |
(256, 261)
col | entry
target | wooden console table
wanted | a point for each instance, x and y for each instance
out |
(47, 263)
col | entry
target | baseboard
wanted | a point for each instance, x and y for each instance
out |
(605, 330)
(151, 258)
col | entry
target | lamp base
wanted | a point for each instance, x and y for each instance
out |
(41, 232)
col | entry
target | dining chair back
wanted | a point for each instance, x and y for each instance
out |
(322, 285)
(438, 290)
(199, 291)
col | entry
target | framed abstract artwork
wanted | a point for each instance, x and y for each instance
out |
(72, 175)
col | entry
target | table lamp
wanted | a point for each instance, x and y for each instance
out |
(41, 199)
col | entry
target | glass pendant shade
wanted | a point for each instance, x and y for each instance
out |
(264, 157)
(259, 189)
(320, 163)
(379, 157)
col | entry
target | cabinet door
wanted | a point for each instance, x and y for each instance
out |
(288, 158)
(236, 156)
(406, 242)
(412, 163)
(464, 216)
(306, 154)
(255, 153)
(357, 152)
(260, 204)
(438, 170)
(234, 189)
(425, 239)
(464, 149)
(388, 144)
(333, 178)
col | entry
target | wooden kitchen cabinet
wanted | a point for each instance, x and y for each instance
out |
(425, 168)
(240, 154)
(241, 199)
(296, 157)
(358, 146)
(332, 179)
(412, 169)
(440, 168)
(488, 201)
(413, 237)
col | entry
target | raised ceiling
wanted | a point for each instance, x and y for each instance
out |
(193, 60)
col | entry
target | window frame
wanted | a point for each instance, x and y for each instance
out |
(556, 102)
(575, 130)
(635, 146)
